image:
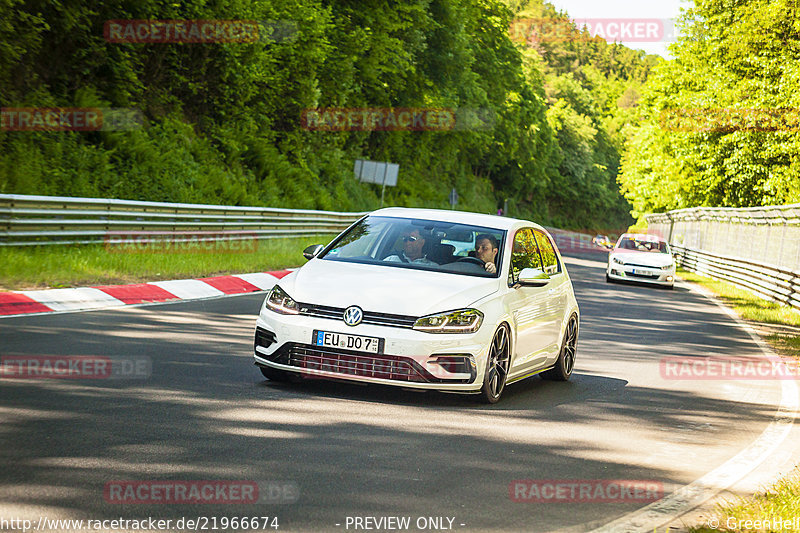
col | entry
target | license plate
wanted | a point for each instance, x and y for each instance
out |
(348, 342)
(642, 272)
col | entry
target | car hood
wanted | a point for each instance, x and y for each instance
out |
(643, 258)
(384, 289)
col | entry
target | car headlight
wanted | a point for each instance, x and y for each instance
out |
(280, 302)
(617, 261)
(461, 321)
(666, 267)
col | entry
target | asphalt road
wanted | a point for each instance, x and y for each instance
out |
(206, 413)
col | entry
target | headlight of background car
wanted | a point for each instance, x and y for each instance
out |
(280, 302)
(617, 261)
(461, 321)
(666, 267)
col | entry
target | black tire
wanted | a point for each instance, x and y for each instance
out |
(273, 374)
(566, 358)
(494, 378)
(608, 279)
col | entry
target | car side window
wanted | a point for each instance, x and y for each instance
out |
(549, 257)
(524, 254)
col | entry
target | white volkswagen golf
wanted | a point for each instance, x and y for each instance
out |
(422, 298)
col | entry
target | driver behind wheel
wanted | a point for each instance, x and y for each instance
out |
(486, 247)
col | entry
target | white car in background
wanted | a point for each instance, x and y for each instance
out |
(368, 307)
(603, 241)
(642, 258)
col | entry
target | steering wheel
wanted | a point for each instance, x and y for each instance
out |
(470, 259)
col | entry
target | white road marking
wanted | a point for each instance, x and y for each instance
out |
(73, 299)
(189, 289)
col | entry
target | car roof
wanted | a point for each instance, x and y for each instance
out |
(460, 217)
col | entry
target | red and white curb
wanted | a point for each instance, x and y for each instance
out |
(105, 296)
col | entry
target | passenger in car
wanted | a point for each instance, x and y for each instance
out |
(414, 249)
(486, 247)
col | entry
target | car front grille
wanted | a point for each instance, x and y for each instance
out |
(637, 265)
(354, 363)
(299, 356)
(377, 319)
(645, 276)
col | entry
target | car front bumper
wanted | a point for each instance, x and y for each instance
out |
(655, 276)
(410, 358)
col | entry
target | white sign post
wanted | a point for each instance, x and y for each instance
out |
(453, 198)
(378, 172)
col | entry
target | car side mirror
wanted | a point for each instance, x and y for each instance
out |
(312, 251)
(533, 277)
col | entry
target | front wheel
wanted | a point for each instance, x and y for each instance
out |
(494, 379)
(566, 358)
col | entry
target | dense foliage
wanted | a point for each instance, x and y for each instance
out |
(223, 120)
(719, 123)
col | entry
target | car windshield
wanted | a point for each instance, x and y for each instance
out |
(643, 244)
(419, 244)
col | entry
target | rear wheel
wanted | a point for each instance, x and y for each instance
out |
(494, 379)
(273, 374)
(566, 359)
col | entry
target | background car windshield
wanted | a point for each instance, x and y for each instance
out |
(417, 244)
(643, 245)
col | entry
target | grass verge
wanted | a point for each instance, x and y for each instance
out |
(765, 511)
(42, 267)
(745, 303)
(780, 326)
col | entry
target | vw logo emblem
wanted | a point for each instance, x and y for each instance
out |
(353, 315)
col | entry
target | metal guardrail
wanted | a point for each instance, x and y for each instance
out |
(757, 248)
(771, 214)
(768, 235)
(49, 220)
(770, 282)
